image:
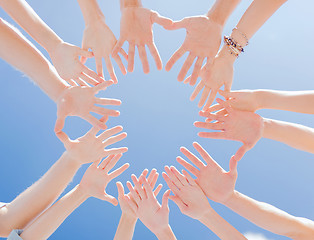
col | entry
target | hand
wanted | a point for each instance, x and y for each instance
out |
(65, 58)
(96, 178)
(90, 148)
(153, 215)
(136, 28)
(79, 101)
(213, 77)
(246, 127)
(99, 38)
(123, 198)
(215, 182)
(203, 38)
(189, 197)
(243, 100)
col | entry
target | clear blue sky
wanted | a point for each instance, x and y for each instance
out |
(158, 116)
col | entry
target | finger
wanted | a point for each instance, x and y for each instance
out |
(115, 151)
(84, 47)
(94, 130)
(131, 57)
(208, 159)
(104, 163)
(64, 138)
(148, 189)
(178, 175)
(227, 95)
(81, 82)
(214, 108)
(108, 101)
(117, 47)
(115, 139)
(211, 126)
(59, 123)
(120, 189)
(110, 199)
(110, 132)
(217, 117)
(111, 69)
(173, 178)
(84, 53)
(228, 86)
(224, 104)
(153, 50)
(120, 63)
(88, 79)
(157, 190)
(197, 90)
(95, 122)
(134, 194)
(188, 166)
(204, 96)
(72, 82)
(119, 171)
(196, 71)
(102, 86)
(152, 178)
(123, 53)
(143, 57)
(165, 199)
(131, 203)
(179, 24)
(215, 135)
(112, 162)
(190, 180)
(240, 153)
(105, 111)
(91, 73)
(99, 68)
(178, 202)
(233, 166)
(138, 187)
(163, 21)
(211, 98)
(186, 66)
(174, 58)
(198, 163)
(170, 184)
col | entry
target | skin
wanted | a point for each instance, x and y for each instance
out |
(136, 28)
(203, 38)
(33, 201)
(100, 39)
(71, 100)
(128, 218)
(220, 73)
(219, 186)
(93, 184)
(64, 56)
(153, 215)
(193, 202)
(246, 127)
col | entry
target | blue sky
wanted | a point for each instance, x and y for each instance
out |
(158, 117)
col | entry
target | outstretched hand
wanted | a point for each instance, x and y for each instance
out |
(97, 177)
(136, 28)
(216, 183)
(100, 39)
(80, 101)
(65, 58)
(246, 127)
(203, 38)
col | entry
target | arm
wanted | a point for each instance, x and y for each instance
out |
(93, 184)
(64, 56)
(219, 186)
(192, 202)
(294, 135)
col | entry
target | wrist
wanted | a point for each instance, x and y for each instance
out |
(259, 96)
(165, 233)
(81, 193)
(267, 124)
(131, 3)
(228, 201)
(226, 55)
(53, 45)
(69, 161)
(128, 219)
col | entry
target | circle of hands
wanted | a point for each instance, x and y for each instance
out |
(232, 119)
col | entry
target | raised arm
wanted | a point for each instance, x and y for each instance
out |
(136, 27)
(252, 100)
(93, 184)
(99, 38)
(65, 57)
(192, 202)
(219, 186)
(32, 202)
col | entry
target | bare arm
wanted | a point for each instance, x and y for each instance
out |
(292, 134)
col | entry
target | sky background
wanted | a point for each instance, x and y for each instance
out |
(158, 117)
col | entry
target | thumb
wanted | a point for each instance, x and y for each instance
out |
(233, 165)
(240, 153)
(163, 21)
(84, 53)
(177, 201)
(110, 199)
(225, 94)
(102, 86)
(59, 124)
(64, 138)
(120, 189)
(178, 24)
(165, 199)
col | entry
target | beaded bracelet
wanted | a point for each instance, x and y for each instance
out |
(234, 47)
(242, 34)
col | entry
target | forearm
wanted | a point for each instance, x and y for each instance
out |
(270, 218)
(294, 135)
(125, 228)
(130, 3)
(254, 18)
(32, 202)
(294, 101)
(220, 227)
(27, 18)
(166, 234)
(221, 10)
(91, 11)
(21, 54)
(53, 217)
